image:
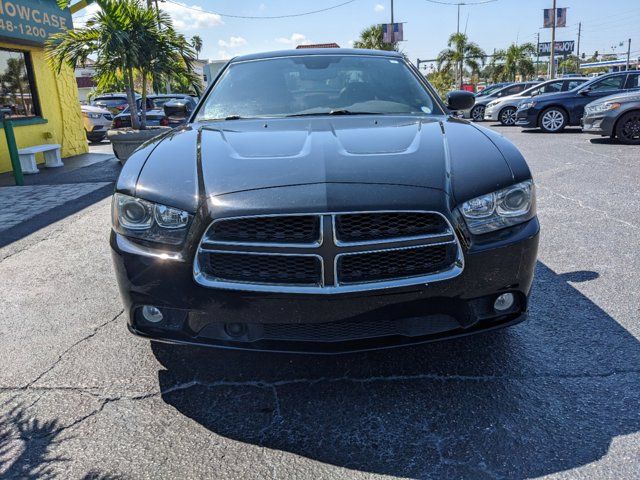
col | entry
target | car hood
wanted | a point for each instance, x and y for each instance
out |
(633, 96)
(242, 155)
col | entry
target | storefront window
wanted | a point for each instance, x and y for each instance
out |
(17, 90)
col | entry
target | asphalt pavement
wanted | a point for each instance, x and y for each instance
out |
(557, 396)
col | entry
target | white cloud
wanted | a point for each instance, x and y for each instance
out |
(295, 39)
(351, 42)
(190, 17)
(233, 42)
(378, 8)
(81, 18)
(262, 7)
(224, 55)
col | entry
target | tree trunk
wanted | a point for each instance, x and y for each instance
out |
(133, 108)
(143, 117)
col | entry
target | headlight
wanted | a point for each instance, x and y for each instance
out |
(134, 217)
(525, 105)
(602, 107)
(493, 103)
(501, 209)
(92, 115)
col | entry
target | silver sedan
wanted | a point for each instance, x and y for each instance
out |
(504, 109)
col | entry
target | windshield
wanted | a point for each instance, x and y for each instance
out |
(317, 85)
(159, 102)
(489, 89)
(110, 102)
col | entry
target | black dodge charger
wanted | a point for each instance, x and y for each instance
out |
(324, 201)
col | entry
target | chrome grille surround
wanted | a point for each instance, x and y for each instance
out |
(329, 250)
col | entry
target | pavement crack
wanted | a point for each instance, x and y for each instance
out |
(71, 347)
(276, 415)
(587, 207)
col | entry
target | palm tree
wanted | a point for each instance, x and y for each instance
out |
(461, 53)
(125, 37)
(196, 43)
(516, 60)
(15, 79)
(372, 38)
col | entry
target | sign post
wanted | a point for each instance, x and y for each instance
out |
(13, 150)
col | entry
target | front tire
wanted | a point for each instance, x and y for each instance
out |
(507, 116)
(553, 120)
(628, 128)
(477, 113)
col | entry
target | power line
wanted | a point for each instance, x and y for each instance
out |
(264, 17)
(453, 4)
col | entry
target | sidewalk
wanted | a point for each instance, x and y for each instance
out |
(54, 194)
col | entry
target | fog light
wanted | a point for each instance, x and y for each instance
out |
(151, 314)
(235, 329)
(504, 302)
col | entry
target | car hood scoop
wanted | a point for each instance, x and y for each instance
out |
(246, 155)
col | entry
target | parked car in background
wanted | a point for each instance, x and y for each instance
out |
(160, 99)
(315, 211)
(115, 102)
(491, 88)
(615, 116)
(155, 118)
(553, 112)
(476, 113)
(97, 121)
(504, 109)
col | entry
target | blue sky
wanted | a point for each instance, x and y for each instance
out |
(605, 23)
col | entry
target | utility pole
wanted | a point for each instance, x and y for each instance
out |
(628, 53)
(392, 12)
(552, 66)
(537, 54)
(458, 27)
(578, 61)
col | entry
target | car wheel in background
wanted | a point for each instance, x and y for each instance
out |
(477, 113)
(507, 116)
(553, 120)
(628, 128)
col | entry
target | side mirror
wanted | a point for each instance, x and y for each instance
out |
(178, 111)
(460, 100)
(585, 91)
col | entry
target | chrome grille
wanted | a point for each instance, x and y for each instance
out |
(389, 264)
(265, 268)
(276, 229)
(328, 252)
(359, 227)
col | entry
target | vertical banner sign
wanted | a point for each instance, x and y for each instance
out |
(392, 32)
(561, 17)
(32, 21)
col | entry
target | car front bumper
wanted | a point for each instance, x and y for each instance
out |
(491, 114)
(527, 118)
(599, 124)
(330, 323)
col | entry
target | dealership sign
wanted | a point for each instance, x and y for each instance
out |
(31, 21)
(561, 48)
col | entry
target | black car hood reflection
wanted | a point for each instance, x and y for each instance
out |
(242, 155)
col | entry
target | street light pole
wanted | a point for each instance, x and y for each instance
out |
(552, 65)
(578, 61)
(628, 53)
(537, 54)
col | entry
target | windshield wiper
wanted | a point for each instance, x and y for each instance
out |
(334, 112)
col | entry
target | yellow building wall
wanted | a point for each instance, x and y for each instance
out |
(58, 95)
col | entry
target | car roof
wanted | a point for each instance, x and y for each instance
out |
(316, 51)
